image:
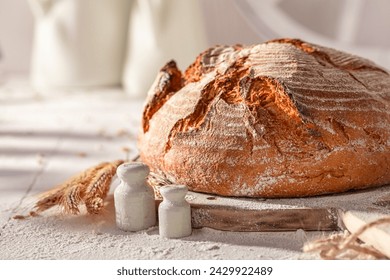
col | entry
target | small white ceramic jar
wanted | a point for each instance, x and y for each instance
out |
(135, 207)
(174, 212)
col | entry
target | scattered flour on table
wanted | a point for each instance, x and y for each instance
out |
(86, 238)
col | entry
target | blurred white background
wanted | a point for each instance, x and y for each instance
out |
(16, 35)
(358, 26)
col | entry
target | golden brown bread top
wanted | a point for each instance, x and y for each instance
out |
(284, 118)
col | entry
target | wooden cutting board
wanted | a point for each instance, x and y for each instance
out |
(311, 213)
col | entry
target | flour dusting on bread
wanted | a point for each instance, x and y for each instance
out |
(281, 119)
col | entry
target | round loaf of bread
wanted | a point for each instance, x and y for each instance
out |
(281, 119)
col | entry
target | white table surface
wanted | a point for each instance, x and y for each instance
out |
(45, 138)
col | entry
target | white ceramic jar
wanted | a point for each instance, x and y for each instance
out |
(174, 212)
(78, 43)
(135, 206)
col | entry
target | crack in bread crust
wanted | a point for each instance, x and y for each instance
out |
(168, 82)
(238, 86)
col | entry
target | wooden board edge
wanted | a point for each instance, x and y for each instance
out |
(249, 220)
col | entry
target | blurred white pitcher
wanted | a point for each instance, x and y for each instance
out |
(161, 30)
(78, 42)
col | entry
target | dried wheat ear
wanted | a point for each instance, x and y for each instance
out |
(346, 245)
(89, 187)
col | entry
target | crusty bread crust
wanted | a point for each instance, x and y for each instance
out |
(279, 119)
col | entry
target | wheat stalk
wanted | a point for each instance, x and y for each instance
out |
(157, 181)
(346, 245)
(89, 187)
